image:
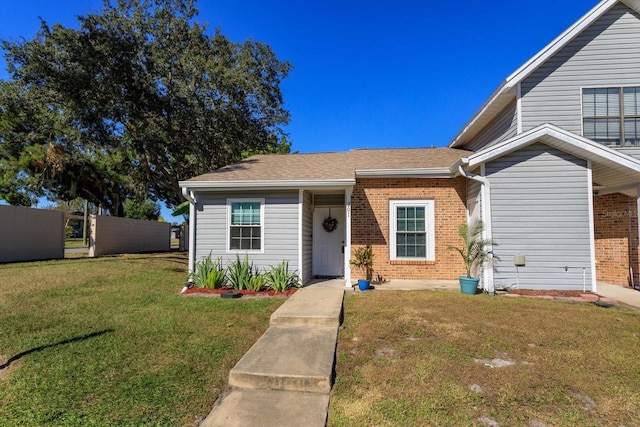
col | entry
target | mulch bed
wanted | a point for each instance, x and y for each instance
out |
(245, 293)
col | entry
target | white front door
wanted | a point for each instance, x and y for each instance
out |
(328, 247)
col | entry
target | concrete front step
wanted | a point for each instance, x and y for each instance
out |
(249, 408)
(311, 307)
(288, 358)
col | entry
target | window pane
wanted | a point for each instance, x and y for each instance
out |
(245, 213)
(400, 251)
(631, 101)
(632, 132)
(605, 131)
(245, 238)
(606, 102)
(588, 102)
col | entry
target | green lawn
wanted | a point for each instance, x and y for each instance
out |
(408, 359)
(109, 341)
(73, 243)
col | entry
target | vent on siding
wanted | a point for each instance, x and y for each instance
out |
(328, 199)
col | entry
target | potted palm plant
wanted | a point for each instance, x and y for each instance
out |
(363, 259)
(475, 251)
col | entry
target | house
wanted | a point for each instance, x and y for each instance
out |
(550, 163)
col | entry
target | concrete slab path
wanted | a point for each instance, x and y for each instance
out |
(622, 294)
(286, 376)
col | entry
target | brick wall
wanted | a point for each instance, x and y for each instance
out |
(615, 225)
(370, 224)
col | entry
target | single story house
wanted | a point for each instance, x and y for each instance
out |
(550, 163)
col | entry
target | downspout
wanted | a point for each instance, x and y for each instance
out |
(486, 219)
(192, 229)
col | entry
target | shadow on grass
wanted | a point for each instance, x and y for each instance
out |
(132, 257)
(44, 347)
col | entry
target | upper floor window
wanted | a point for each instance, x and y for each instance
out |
(611, 116)
(246, 219)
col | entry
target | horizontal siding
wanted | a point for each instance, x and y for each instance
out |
(540, 209)
(307, 237)
(503, 127)
(605, 54)
(280, 228)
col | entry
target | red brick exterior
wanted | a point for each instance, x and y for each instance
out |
(615, 218)
(370, 224)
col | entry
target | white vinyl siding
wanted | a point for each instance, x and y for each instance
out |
(606, 54)
(411, 229)
(540, 209)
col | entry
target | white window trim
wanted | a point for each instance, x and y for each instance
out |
(429, 206)
(621, 116)
(228, 226)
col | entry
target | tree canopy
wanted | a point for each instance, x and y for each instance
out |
(137, 98)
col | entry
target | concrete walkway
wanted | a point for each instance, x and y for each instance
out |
(621, 294)
(286, 377)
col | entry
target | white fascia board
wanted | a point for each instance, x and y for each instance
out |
(409, 172)
(588, 147)
(266, 184)
(487, 104)
(559, 42)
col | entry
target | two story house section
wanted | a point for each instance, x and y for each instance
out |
(555, 172)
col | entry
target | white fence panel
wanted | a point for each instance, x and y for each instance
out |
(29, 234)
(114, 235)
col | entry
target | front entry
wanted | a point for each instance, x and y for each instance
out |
(328, 246)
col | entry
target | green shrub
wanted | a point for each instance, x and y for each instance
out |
(239, 273)
(255, 282)
(280, 279)
(208, 273)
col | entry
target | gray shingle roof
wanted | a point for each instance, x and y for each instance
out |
(334, 165)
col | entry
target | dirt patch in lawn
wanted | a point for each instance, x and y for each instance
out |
(269, 293)
(5, 371)
(547, 293)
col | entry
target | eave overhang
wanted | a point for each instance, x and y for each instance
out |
(442, 172)
(267, 184)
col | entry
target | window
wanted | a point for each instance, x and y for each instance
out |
(411, 230)
(611, 116)
(245, 224)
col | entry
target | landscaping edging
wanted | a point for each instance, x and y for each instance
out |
(216, 293)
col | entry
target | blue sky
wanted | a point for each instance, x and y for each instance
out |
(367, 74)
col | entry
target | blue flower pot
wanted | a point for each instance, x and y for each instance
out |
(469, 285)
(363, 285)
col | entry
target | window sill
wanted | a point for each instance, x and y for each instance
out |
(411, 262)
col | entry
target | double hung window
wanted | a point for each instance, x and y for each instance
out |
(411, 229)
(611, 116)
(245, 219)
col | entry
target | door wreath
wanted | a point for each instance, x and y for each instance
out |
(329, 224)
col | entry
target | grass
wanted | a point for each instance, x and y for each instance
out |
(409, 358)
(109, 341)
(74, 243)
